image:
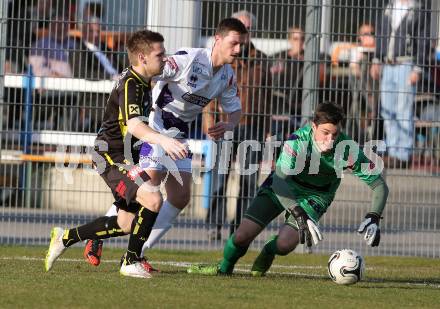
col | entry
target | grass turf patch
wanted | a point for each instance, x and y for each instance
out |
(295, 281)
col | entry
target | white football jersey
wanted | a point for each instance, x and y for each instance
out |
(188, 84)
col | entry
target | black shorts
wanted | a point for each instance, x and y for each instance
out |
(124, 181)
(120, 203)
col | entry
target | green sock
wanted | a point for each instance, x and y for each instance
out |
(271, 248)
(231, 254)
(265, 259)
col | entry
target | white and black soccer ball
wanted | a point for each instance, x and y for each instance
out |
(346, 267)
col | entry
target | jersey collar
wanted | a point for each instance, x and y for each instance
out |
(209, 55)
(139, 77)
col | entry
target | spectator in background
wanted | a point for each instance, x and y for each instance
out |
(253, 82)
(92, 9)
(19, 35)
(49, 57)
(249, 21)
(287, 80)
(402, 42)
(366, 44)
(92, 59)
(361, 118)
(43, 10)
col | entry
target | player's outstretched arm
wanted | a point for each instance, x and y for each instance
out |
(370, 226)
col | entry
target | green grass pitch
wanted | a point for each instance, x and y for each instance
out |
(295, 281)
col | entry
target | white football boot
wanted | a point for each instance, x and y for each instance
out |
(56, 247)
(136, 270)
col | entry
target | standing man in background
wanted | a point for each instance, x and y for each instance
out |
(287, 80)
(362, 121)
(92, 59)
(402, 41)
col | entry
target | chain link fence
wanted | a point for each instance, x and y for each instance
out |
(368, 56)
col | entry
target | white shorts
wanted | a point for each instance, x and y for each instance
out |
(152, 156)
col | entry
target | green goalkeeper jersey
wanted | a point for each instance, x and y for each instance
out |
(311, 178)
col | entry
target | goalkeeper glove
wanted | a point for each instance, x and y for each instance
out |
(371, 228)
(308, 229)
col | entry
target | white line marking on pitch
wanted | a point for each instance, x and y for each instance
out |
(173, 263)
(170, 263)
(240, 270)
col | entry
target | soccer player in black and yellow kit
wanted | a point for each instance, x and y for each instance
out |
(116, 157)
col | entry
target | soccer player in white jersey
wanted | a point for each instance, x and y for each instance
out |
(190, 80)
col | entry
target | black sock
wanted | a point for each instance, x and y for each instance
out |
(140, 230)
(103, 227)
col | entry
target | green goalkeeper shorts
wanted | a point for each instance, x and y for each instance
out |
(265, 207)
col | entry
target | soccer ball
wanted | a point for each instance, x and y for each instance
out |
(346, 267)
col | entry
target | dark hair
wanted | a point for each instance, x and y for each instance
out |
(230, 24)
(141, 41)
(328, 113)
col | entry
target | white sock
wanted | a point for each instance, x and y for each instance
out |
(113, 211)
(167, 214)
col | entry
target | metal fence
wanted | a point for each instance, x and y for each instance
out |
(53, 91)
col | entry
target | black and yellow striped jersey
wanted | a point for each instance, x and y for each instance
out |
(130, 98)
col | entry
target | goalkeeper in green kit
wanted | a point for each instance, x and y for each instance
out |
(308, 172)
